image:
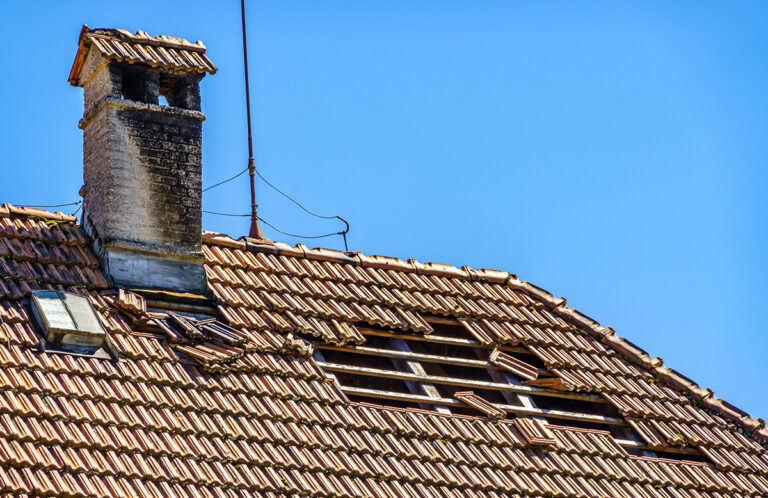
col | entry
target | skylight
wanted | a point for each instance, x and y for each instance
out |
(69, 323)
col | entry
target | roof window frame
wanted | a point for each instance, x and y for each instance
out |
(68, 323)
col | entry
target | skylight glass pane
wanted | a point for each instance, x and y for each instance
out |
(53, 312)
(82, 312)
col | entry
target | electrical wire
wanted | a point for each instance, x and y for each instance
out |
(56, 205)
(78, 209)
(224, 214)
(225, 181)
(299, 236)
(277, 190)
(273, 227)
(292, 199)
(343, 233)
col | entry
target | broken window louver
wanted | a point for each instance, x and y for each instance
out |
(69, 323)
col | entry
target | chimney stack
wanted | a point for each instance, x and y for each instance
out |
(142, 161)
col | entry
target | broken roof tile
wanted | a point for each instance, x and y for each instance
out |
(471, 399)
(514, 365)
(535, 431)
(232, 404)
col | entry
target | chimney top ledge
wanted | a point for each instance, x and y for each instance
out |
(139, 106)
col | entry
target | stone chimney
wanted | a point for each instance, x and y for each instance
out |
(142, 161)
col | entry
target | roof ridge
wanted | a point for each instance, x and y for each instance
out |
(9, 211)
(143, 38)
(373, 261)
(703, 397)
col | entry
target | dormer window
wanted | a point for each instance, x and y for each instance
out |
(68, 323)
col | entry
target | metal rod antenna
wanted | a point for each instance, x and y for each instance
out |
(255, 231)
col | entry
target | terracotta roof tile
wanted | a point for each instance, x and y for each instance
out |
(158, 51)
(270, 422)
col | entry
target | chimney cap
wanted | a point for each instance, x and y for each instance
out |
(176, 54)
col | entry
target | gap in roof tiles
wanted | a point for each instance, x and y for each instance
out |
(405, 369)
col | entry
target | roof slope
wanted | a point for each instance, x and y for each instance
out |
(160, 422)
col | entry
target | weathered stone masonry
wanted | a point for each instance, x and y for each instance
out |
(143, 172)
(142, 162)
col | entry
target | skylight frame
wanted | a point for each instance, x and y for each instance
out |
(68, 323)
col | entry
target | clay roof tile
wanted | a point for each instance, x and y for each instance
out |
(268, 419)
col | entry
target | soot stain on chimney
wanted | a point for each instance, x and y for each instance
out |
(142, 161)
(168, 178)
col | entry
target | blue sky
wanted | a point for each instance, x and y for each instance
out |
(610, 152)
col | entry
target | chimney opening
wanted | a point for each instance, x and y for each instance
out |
(139, 84)
(180, 91)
